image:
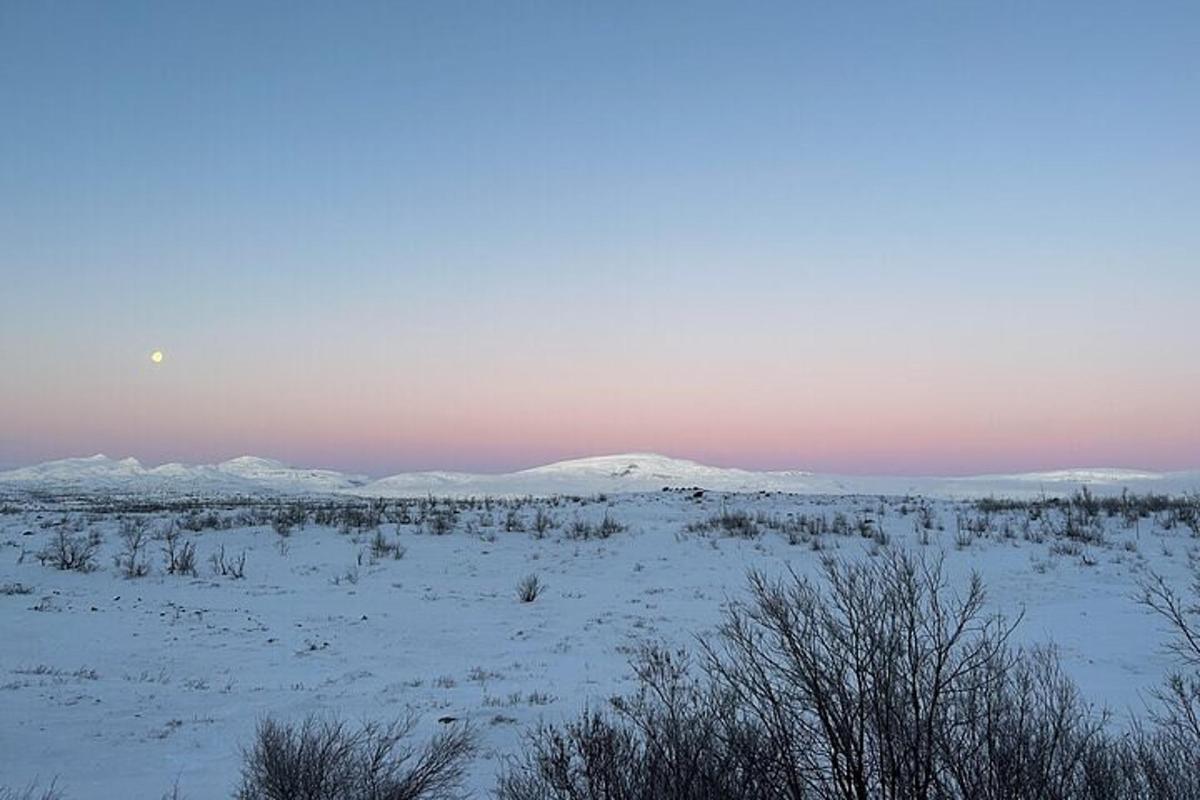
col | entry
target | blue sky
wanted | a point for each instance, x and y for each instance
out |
(903, 237)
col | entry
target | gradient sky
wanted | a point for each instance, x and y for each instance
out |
(947, 237)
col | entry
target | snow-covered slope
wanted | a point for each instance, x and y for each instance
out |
(649, 472)
(614, 474)
(634, 472)
(245, 475)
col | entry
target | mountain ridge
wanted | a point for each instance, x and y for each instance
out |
(615, 473)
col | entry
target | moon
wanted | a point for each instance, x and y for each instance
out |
(156, 356)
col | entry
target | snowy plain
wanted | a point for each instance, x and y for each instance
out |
(125, 687)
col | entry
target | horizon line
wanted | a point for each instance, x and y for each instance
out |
(598, 456)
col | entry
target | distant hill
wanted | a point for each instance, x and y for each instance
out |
(632, 472)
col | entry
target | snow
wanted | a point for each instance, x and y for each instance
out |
(631, 472)
(119, 686)
(100, 474)
(647, 472)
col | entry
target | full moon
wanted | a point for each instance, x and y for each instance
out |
(156, 356)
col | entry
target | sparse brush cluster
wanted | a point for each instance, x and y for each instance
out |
(178, 553)
(33, 792)
(438, 516)
(71, 548)
(328, 760)
(1076, 523)
(75, 545)
(735, 523)
(68, 550)
(441, 521)
(1083, 508)
(876, 682)
(584, 530)
(1073, 525)
(1082, 520)
(382, 547)
(227, 566)
(803, 528)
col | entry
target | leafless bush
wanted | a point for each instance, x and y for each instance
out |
(1179, 719)
(180, 554)
(1142, 765)
(68, 551)
(542, 522)
(441, 521)
(1020, 730)
(131, 560)
(608, 526)
(31, 792)
(529, 588)
(382, 548)
(326, 760)
(228, 567)
(10, 589)
(853, 678)
(581, 529)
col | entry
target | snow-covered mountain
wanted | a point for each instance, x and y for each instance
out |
(649, 472)
(245, 475)
(634, 472)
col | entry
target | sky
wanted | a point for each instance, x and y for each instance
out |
(906, 238)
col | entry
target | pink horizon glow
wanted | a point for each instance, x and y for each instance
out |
(824, 417)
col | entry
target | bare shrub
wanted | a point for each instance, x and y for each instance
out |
(529, 588)
(859, 670)
(382, 548)
(32, 792)
(608, 526)
(1179, 717)
(228, 567)
(442, 521)
(542, 522)
(1142, 765)
(326, 760)
(1020, 730)
(67, 551)
(581, 529)
(289, 517)
(179, 553)
(131, 560)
